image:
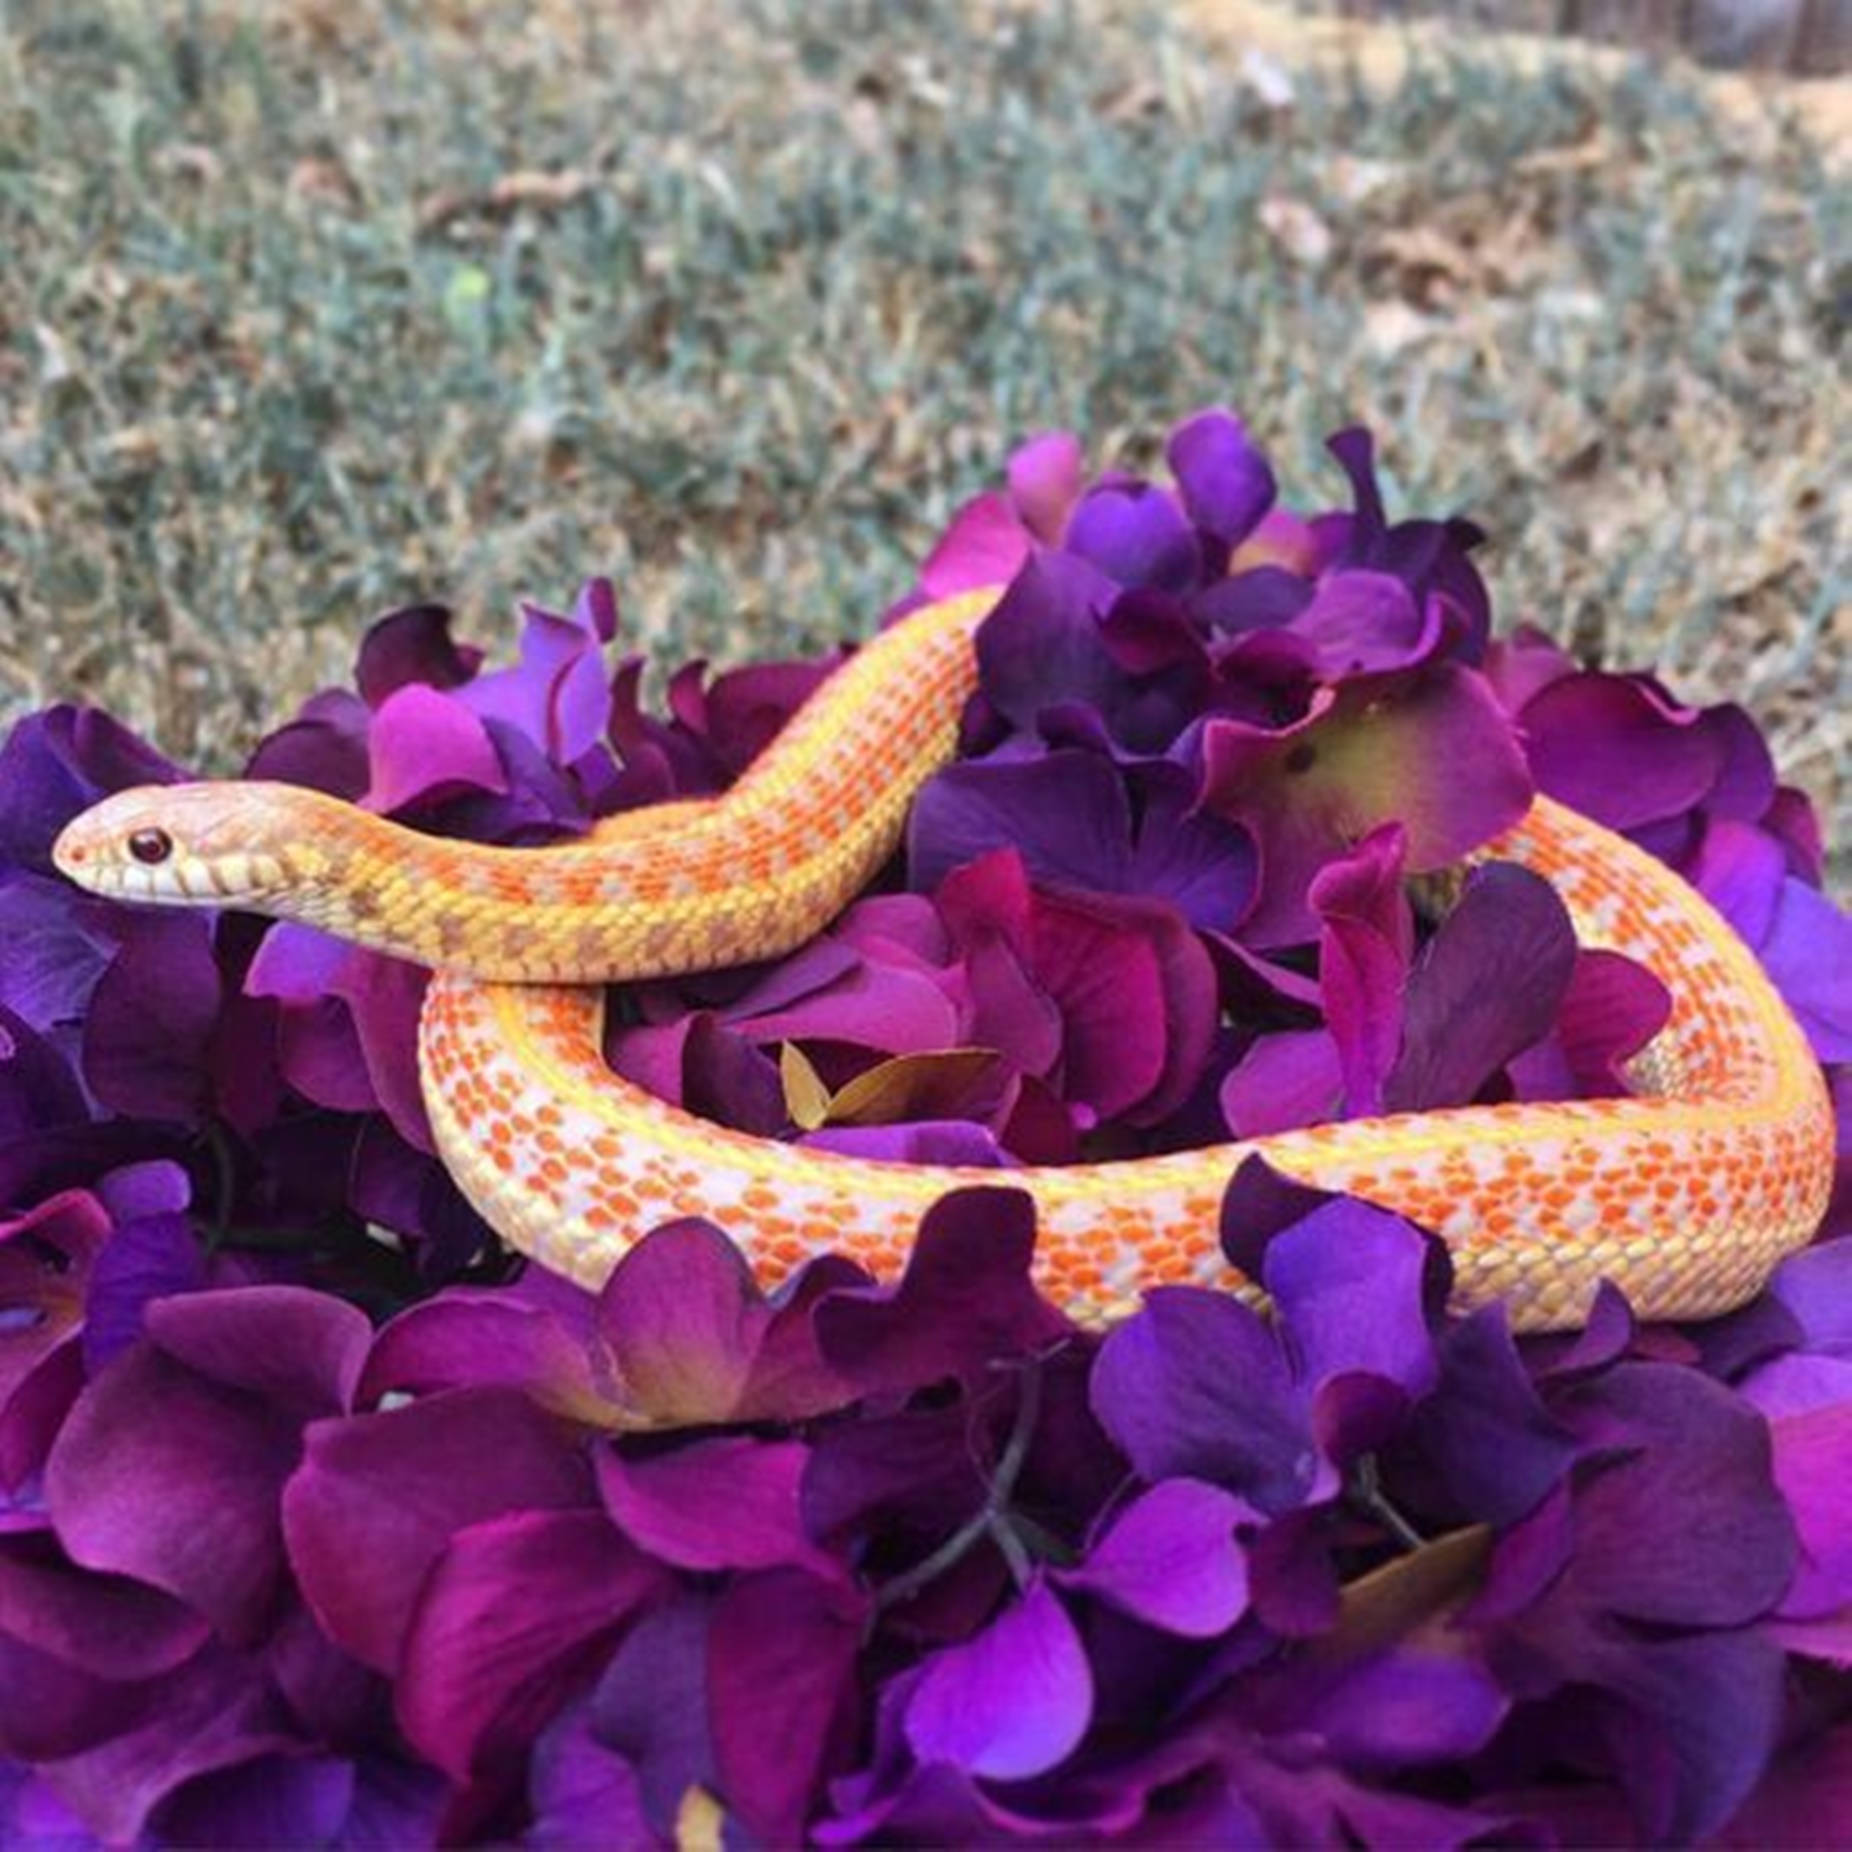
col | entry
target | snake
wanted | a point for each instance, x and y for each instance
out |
(1683, 1193)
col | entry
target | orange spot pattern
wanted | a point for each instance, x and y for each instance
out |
(1685, 1199)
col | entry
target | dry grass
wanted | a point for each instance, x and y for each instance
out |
(312, 309)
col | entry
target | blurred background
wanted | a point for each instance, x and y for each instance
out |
(312, 308)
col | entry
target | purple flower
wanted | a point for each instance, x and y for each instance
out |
(917, 1559)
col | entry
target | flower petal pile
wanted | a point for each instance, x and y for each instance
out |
(324, 1521)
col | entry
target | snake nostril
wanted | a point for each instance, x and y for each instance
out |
(151, 846)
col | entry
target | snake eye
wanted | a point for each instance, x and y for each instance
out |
(151, 846)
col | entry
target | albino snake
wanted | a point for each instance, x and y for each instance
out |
(1684, 1197)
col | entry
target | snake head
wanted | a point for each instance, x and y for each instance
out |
(214, 845)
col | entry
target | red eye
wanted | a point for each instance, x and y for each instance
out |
(151, 846)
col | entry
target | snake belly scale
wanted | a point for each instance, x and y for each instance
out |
(1684, 1195)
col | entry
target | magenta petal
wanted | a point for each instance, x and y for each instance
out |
(423, 746)
(1286, 1080)
(377, 1497)
(166, 1476)
(461, 1337)
(1104, 976)
(1045, 482)
(286, 1345)
(503, 1623)
(1618, 749)
(683, 1317)
(1365, 944)
(1010, 1702)
(726, 1503)
(985, 543)
(782, 1693)
(107, 1625)
(1172, 1558)
(1611, 1011)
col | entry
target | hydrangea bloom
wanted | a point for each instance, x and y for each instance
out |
(321, 1522)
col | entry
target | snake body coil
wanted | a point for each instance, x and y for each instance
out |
(1685, 1197)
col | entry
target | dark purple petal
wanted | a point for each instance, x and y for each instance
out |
(1226, 484)
(1066, 815)
(650, 1704)
(55, 952)
(1012, 1701)
(1136, 535)
(412, 644)
(782, 1693)
(1688, 1529)
(1194, 1386)
(1488, 985)
(506, 1619)
(1041, 648)
(151, 1020)
(582, 1793)
(271, 1800)
(38, 1090)
(377, 1497)
(1612, 1009)
(964, 1302)
(1486, 1431)
(58, 762)
(212, 1714)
